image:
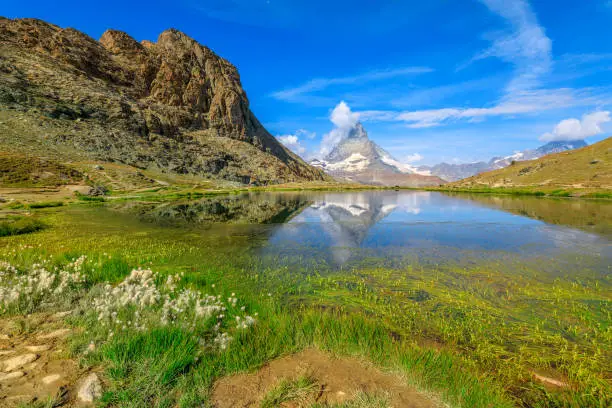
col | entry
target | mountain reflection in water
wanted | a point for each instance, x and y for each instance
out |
(391, 224)
(337, 228)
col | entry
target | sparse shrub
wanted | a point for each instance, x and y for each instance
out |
(15, 205)
(46, 204)
(82, 197)
(20, 225)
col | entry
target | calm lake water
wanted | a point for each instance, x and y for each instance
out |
(337, 230)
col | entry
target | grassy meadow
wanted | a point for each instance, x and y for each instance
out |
(195, 309)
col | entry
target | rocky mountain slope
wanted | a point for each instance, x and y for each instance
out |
(359, 159)
(172, 105)
(589, 167)
(454, 172)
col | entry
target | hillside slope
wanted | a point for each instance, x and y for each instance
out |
(587, 168)
(455, 172)
(172, 105)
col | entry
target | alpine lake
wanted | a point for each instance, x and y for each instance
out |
(515, 290)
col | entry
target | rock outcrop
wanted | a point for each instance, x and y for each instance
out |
(173, 105)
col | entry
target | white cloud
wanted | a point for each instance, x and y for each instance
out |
(411, 158)
(523, 44)
(292, 142)
(343, 117)
(302, 93)
(344, 120)
(525, 102)
(574, 129)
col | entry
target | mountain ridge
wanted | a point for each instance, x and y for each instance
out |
(359, 159)
(173, 105)
(455, 172)
(585, 168)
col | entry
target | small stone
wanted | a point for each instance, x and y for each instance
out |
(24, 399)
(51, 378)
(60, 315)
(38, 349)
(11, 376)
(90, 388)
(18, 362)
(550, 381)
(54, 334)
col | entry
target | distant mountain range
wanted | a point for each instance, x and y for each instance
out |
(359, 159)
(454, 172)
(589, 167)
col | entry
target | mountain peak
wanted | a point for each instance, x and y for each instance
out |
(358, 132)
(357, 158)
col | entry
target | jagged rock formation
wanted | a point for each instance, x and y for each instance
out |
(454, 172)
(173, 105)
(359, 159)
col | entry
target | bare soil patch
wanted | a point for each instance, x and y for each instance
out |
(338, 379)
(34, 361)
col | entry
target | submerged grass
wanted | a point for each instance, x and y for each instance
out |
(471, 335)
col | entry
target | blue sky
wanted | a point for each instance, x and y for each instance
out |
(442, 80)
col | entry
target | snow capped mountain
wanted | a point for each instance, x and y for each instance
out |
(358, 154)
(454, 172)
(548, 148)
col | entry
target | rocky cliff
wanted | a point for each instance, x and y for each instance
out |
(173, 105)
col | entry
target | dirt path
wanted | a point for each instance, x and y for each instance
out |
(34, 363)
(337, 380)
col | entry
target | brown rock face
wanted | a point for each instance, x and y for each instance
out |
(162, 104)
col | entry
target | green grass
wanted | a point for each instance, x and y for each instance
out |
(602, 194)
(165, 366)
(86, 198)
(469, 333)
(526, 191)
(45, 204)
(20, 225)
(294, 390)
(303, 390)
(560, 193)
(361, 400)
(491, 190)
